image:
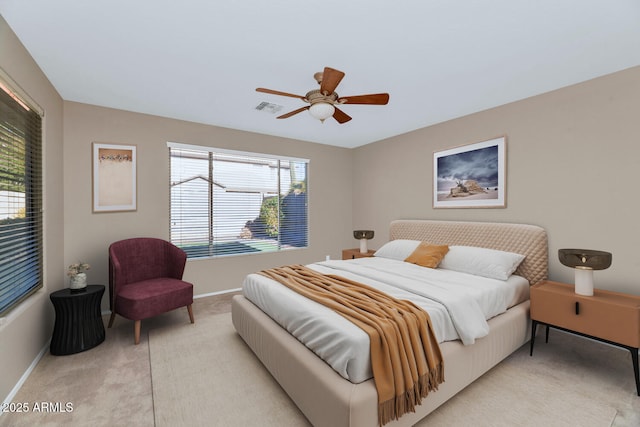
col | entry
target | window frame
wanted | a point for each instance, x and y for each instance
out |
(214, 238)
(24, 273)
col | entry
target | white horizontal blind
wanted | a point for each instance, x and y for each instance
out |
(228, 203)
(20, 199)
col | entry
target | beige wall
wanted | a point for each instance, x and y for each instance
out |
(88, 235)
(573, 159)
(26, 329)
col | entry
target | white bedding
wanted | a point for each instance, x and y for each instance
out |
(458, 303)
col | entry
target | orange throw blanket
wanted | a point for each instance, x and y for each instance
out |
(405, 355)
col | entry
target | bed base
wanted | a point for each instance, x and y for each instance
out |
(327, 399)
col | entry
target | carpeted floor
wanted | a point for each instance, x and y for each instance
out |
(208, 376)
(546, 389)
(109, 385)
(203, 374)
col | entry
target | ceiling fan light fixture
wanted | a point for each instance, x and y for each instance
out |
(322, 101)
(321, 110)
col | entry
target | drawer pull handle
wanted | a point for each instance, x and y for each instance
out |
(577, 308)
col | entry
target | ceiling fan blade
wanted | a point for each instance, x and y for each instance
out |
(372, 99)
(330, 80)
(292, 113)
(276, 92)
(340, 116)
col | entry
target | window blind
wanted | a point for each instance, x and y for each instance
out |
(20, 199)
(228, 202)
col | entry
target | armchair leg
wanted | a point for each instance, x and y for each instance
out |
(136, 332)
(112, 318)
(190, 309)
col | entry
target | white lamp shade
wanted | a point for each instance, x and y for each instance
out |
(321, 110)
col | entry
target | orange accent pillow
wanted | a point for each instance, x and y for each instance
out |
(428, 255)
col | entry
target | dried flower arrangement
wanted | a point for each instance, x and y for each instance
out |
(75, 269)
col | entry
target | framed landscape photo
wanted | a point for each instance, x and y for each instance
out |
(471, 176)
(114, 177)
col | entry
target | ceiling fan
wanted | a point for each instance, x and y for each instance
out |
(323, 101)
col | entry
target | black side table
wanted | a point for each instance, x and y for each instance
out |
(78, 326)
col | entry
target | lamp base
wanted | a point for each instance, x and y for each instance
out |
(363, 246)
(584, 281)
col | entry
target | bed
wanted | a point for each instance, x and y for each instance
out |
(327, 398)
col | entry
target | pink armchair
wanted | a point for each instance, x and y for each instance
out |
(145, 280)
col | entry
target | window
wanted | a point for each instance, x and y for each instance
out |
(20, 199)
(228, 202)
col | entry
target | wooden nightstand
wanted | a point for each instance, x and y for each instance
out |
(355, 253)
(610, 317)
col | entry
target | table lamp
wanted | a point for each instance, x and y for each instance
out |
(584, 261)
(363, 236)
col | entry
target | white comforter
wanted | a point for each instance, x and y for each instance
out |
(459, 305)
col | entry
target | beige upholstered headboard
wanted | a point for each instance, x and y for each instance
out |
(528, 240)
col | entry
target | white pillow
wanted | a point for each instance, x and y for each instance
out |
(397, 249)
(483, 262)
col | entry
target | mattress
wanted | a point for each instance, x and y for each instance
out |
(345, 347)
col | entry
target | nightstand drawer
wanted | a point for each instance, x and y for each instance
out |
(604, 315)
(355, 253)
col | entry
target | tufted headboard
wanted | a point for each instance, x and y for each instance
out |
(525, 239)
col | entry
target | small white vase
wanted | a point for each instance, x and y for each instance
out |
(79, 281)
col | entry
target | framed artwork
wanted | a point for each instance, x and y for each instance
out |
(114, 177)
(471, 176)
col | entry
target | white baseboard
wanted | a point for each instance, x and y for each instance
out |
(26, 374)
(227, 291)
(210, 294)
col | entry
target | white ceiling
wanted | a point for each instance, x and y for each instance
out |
(201, 60)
